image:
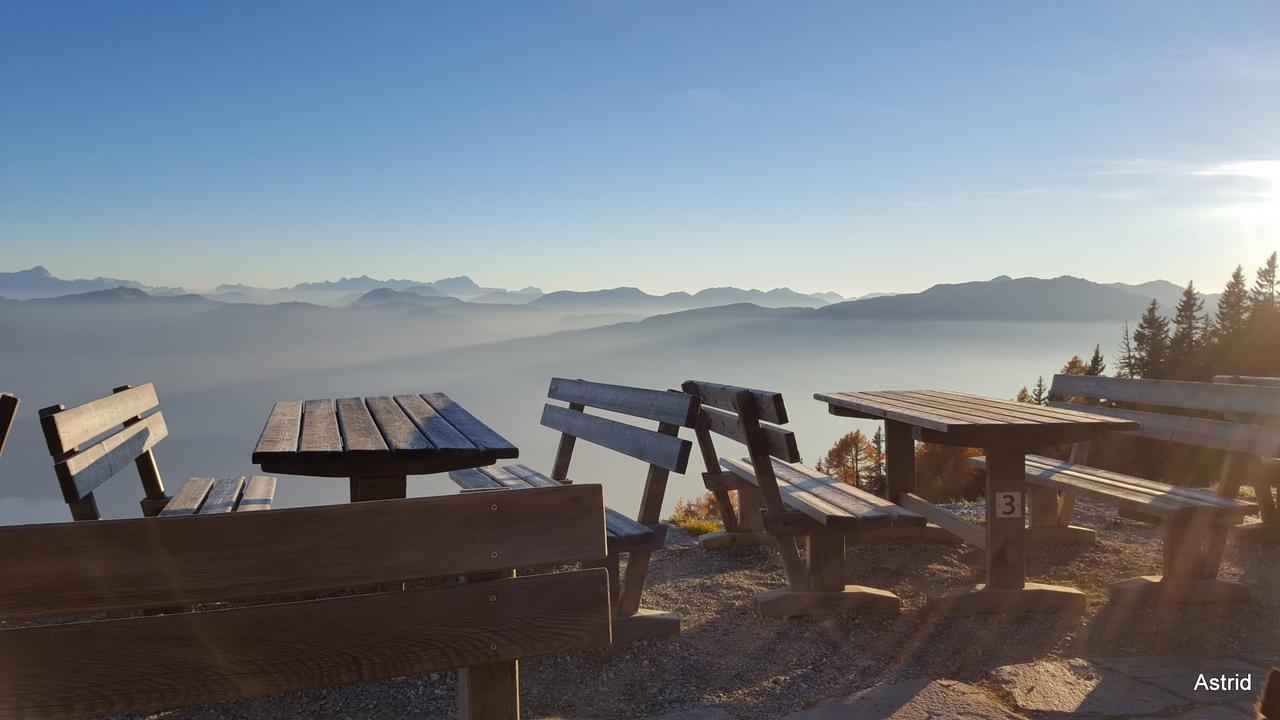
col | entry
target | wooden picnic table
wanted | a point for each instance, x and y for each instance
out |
(1007, 430)
(376, 441)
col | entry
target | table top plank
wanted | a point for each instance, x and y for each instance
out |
(283, 427)
(359, 432)
(481, 435)
(400, 432)
(319, 428)
(972, 416)
(432, 425)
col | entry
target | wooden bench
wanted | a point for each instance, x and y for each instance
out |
(83, 459)
(1196, 522)
(786, 500)
(57, 663)
(1265, 480)
(8, 413)
(662, 449)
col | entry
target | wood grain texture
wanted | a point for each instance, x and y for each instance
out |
(1202, 432)
(73, 426)
(781, 442)
(659, 405)
(8, 412)
(71, 568)
(58, 671)
(971, 533)
(320, 436)
(769, 405)
(360, 434)
(189, 498)
(223, 496)
(652, 447)
(400, 432)
(259, 494)
(1006, 536)
(85, 470)
(432, 425)
(480, 435)
(282, 431)
(1209, 397)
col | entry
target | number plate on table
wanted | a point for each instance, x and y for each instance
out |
(1008, 504)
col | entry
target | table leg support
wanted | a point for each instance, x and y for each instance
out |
(1006, 589)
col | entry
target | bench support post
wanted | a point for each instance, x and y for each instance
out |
(1192, 555)
(364, 489)
(825, 592)
(489, 692)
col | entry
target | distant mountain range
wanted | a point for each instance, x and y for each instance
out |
(1058, 299)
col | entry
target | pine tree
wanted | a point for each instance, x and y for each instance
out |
(1233, 307)
(1184, 346)
(1040, 393)
(1262, 299)
(1097, 365)
(1128, 361)
(878, 481)
(1151, 343)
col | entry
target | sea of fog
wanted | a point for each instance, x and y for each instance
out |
(216, 395)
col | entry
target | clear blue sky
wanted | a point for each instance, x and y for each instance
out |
(669, 145)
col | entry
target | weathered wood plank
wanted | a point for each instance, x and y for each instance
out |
(320, 434)
(800, 500)
(435, 428)
(1006, 532)
(73, 426)
(861, 497)
(949, 408)
(473, 479)
(8, 411)
(619, 526)
(971, 533)
(189, 497)
(282, 431)
(401, 433)
(1062, 414)
(650, 446)
(659, 405)
(222, 496)
(269, 649)
(1210, 397)
(480, 435)
(769, 405)
(80, 473)
(1247, 380)
(259, 495)
(360, 433)
(1198, 495)
(832, 491)
(878, 408)
(1219, 434)
(330, 546)
(781, 442)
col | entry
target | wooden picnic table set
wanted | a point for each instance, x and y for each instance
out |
(216, 595)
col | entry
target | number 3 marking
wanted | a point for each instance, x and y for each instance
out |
(1008, 504)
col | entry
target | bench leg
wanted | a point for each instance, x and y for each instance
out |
(1192, 556)
(490, 692)
(364, 489)
(1047, 522)
(748, 528)
(825, 593)
(630, 621)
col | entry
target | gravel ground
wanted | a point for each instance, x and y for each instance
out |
(727, 657)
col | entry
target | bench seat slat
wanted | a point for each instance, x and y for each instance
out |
(1135, 493)
(222, 496)
(845, 508)
(259, 494)
(855, 497)
(189, 498)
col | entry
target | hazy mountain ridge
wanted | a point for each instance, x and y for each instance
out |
(38, 282)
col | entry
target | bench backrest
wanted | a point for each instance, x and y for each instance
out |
(83, 459)
(1208, 402)
(8, 412)
(752, 418)
(662, 449)
(78, 668)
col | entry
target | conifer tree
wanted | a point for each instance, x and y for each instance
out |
(1075, 366)
(1262, 299)
(878, 481)
(1128, 361)
(1151, 343)
(1024, 395)
(1233, 307)
(1184, 346)
(1040, 393)
(1097, 365)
